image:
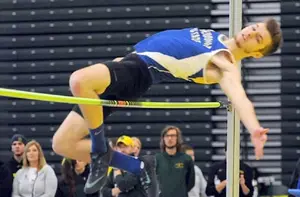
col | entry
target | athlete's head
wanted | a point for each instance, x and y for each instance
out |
(260, 39)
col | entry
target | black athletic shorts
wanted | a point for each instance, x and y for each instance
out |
(130, 79)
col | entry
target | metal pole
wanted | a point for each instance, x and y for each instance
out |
(233, 122)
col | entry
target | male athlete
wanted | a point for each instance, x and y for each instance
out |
(191, 54)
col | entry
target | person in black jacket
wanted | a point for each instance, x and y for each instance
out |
(74, 176)
(5, 181)
(295, 178)
(216, 184)
(121, 183)
(18, 143)
(217, 181)
(9, 169)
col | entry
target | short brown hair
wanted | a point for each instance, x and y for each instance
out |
(186, 147)
(41, 162)
(179, 138)
(276, 35)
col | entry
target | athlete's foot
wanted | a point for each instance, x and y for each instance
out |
(98, 171)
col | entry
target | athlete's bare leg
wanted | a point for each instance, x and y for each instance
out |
(90, 82)
(68, 141)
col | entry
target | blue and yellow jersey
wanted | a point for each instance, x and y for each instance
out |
(176, 55)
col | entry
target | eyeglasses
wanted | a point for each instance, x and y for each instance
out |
(171, 136)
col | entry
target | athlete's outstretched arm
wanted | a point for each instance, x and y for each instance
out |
(230, 83)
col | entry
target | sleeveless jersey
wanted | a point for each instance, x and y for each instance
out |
(180, 55)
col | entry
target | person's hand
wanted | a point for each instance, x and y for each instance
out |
(221, 186)
(115, 191)
(259, 138)
(117, 172)
(242, 179)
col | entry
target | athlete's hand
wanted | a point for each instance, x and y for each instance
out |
(259, 138)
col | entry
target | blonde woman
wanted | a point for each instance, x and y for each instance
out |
(137, 146)
(36, 178)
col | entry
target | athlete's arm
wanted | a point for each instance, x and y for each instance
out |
(230, 83)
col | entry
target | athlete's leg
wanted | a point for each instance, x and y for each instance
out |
(68, 141)
(124, 79)
(89, 82)
(128, 78)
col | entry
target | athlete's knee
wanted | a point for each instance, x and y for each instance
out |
(93, 78)
(61, 139)
(62, 143)
(58, 145)
(76, 82)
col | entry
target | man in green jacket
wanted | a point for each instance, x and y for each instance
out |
(175, 169)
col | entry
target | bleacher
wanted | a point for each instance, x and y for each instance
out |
(43, 42)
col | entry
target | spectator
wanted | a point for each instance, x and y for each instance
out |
(200, 183)
(36, 178)
(295, 178)
(259, 186)
(5, 180)
(74, 176)
(113, 142)
(216, 183)
(121, 183)
(137, 146)
(175, 169)
(18, 143)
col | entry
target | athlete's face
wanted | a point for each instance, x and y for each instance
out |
(170, 138)
(253, 38)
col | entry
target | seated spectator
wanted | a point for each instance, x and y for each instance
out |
(5, 181)
(121, 183)
(216, 183)
(36, 178)
(137, 146)
(200, 183)
(74, 176)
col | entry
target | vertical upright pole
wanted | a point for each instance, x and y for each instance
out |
(233, 122)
